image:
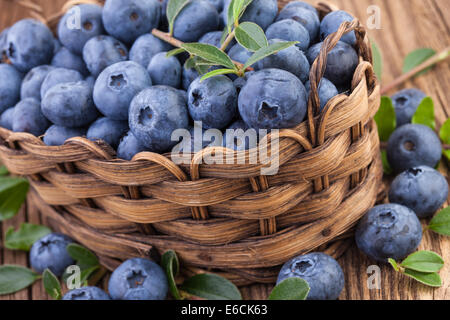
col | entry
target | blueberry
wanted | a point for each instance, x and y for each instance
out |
(117, 85)
(32, 83)
(240, 137)
(218, 4)
(70, 105)
(129, 147)
(90, 81)
(273, 99)
(306, 17)
(138, 279)
(331, 23)
(108, 130)
(187, 77)
(10, 82)
(29, 44)
(87, 293)
(74, 37)
(261, 12)
(126, 20)
(239, 54)
(422, 189)
(57, 45)
(327, 90)
(213, 101)
(341, 63)
(164, 70)
(155, 113)
(57, 135)
(6, 118)
(301, 4)
(213, 38)
(195, 19)
(289, 30)
(68, 60)
(388, 231)
(50, 252)
(28, 117)
(145, 47)
(405, 103)
(102, 51)
(59, 76)
(322, 273)
(291, 59)
(413, 145)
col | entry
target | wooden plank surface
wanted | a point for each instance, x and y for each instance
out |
(405, 26)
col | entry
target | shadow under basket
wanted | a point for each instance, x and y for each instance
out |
(220, 218)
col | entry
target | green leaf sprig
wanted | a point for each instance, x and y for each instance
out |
(51, 284)
(25, 237)
(86, 260)
(290, 289)
(441, 222)
(15, 278)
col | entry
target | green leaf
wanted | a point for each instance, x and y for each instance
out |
(230, 15)
(84, 257)
(174, 7)
(290, 289)
(3, 171)
(217, 72)
(171, 266)
(267, 51)
(429, 279)
(224, 35)
(15, 278)
(25, 237)
(211, 287)
(387, 169)
(377, 60)
(444, 132)
(209, 53)
(13, 192)
(417, 57)
(174, 52)
(423, 261)
(251, 36)
(425, 113)
(237, 7)
(87, 273)
(441, 222)
(394, 264)
(51, 284)
(386, 119)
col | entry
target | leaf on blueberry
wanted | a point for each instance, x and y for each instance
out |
(441, 222)
(377, 60)
(290, 289)
(218, 72)
(386, 119)
(175, 52)
(174, 7)
(209, 53)
(15, 278)
(267, 51)
(425, 113)
(211, 287)
(251, 36)
(171, 266)
(423, 261)
(13, 192)
(25, 237)
(84, 257)
(417, 57)
(429, 279)
(51, 285)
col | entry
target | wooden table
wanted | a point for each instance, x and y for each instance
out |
(405, 26)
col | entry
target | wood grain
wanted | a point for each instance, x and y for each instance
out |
(405, 26)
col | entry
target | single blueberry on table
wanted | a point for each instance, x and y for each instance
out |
(422, 189)
(188, 75)
(327, 90)
(126, 20)
(413, 145)
(145, 47)
(59, 76)
(331, 23)
(50, 252)
(388, 231)
(289, 30)
(240, 137)
(64, 58)
(195, 19)
(261, 12)
(322, 273)
(138, 279)
(213, 101)
(102, 51)
(29, 44)
(291, 59)
(70, 105)
(108, 130)
(10, 83)
(57, 135)
(32, 83)
(87, 293)
(165, 70)
(341, 62)
(273, 99)
(405, 103)
(74, 37)
(6, 118)
(307, 18)
(28, 117)
(129, 146)
(155, 113)
(117, 85)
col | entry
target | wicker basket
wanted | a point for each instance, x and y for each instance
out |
(222, 218)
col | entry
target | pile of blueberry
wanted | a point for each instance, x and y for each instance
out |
(109, 78)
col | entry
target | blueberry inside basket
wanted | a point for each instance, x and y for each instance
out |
(223, 218)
